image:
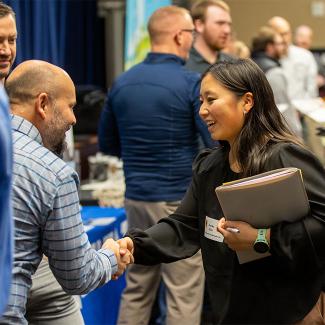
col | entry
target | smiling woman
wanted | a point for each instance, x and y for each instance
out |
(285, 287)
(238, 106)
(222, 111)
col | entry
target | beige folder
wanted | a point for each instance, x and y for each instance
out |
(265, 199)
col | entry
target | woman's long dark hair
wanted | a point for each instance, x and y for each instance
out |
(264, 124)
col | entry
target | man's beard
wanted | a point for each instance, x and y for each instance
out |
(59, 148)
(54, 137)
(212, 43)
(54, 142)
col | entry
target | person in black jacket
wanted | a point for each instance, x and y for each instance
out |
(284, 288)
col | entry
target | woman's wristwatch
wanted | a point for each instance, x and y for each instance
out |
(261, 245)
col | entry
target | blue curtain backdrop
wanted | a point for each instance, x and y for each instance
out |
(67, 33)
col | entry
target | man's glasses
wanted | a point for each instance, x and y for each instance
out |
(192, 31)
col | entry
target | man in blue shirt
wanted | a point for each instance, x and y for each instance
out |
(8, 35)
(6, 224)
(151, 121)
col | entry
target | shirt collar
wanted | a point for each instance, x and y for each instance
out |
(220, 56)
(21, 125)
(155, 57)
(197, 56)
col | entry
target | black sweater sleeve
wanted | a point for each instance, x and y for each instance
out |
(175, 237)
(302, 243)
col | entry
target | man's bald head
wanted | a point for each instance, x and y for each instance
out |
(43, 94)
(282, 26)
(278, 22)
(33, 77)
(304, 36)
(167, 20)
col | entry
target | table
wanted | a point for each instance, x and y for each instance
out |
(101, 306)
(313, 113)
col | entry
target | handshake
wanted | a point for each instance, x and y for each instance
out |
(123, 250)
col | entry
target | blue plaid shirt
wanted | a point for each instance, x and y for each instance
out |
(47, 221)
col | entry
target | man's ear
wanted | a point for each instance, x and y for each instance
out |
(42, 105)
(247, 102)
(198, 25)
(178, 38)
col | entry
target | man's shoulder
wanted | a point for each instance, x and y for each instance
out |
(191, 75)
(225, 57)
(275, 70)
(158, 74)
(196, 62)
(41, 161)
(300, 53)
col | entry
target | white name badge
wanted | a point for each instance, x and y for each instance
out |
(211, 230)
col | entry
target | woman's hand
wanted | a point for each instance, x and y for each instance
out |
(237, 241)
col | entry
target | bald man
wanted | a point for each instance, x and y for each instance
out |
(299, 64)
(151, 121)
(45, 198)
(304, 39)
(303, 36)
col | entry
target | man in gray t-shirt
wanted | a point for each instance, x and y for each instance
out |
(212, 23)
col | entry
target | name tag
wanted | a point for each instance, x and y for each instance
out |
(211, 230)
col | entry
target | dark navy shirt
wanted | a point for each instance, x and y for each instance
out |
(151, 121)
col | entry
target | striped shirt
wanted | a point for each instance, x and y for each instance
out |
(47, 221)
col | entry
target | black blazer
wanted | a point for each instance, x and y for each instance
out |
(280, 289)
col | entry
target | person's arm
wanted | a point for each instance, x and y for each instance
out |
(77, 267)
(302, 242)
(311, 82)
(6, 220)
(175, 237)
(108, 134)
(279, 85)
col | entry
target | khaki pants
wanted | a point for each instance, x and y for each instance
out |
(48, 304)
(316, 315)
(184, 279)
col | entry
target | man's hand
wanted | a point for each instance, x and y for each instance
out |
(126, 252)
(123, 256)
(126, 243)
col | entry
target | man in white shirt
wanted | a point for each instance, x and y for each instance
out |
(299, 64)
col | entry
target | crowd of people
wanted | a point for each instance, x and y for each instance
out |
(201, 109)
